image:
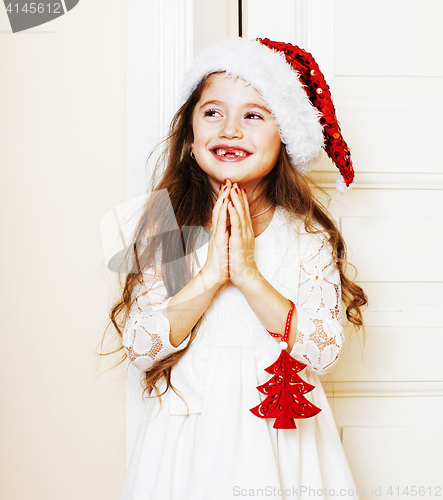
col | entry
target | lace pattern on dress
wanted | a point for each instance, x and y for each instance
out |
(319, 330)
(147, 329)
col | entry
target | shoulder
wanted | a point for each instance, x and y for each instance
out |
(310, 243)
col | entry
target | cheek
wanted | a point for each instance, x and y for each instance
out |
(198, 135)
(274, 143)
(193, 138)
(195, 130)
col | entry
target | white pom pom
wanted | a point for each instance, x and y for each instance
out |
(283, 345)
(340, 185)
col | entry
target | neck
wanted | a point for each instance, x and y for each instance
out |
(258, 204)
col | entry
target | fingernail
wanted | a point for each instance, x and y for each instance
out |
(224, 189)
(236, 190)
(231, 203)
(221, 185)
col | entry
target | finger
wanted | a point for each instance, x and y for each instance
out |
(236, 226)
(246, 215)
(226, 190)
(237, 193)
(221, 222)
(246, 203)
(248, 220)
(223, 187)
(223, 215)
(216, 210)
(224, 193)
(237, 198)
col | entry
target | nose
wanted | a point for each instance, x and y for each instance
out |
(231, 129)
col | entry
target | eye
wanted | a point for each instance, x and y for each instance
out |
(212, 112)
(253, 116)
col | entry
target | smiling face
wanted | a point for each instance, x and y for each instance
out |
(235, 136)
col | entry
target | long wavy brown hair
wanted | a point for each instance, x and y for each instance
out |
(192, 198)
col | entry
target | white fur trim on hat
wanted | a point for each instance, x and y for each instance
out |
(341, 186)
(278, 85)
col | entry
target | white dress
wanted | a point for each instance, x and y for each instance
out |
(213, 447)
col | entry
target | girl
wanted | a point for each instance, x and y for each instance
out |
(231, 246)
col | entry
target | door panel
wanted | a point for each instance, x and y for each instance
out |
(382, 61)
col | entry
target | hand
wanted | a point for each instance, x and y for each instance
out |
(216, 268)
(242, 267)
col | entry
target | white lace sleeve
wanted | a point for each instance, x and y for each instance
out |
(319, 329)
(147, 329)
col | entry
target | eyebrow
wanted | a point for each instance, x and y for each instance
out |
(247, 105)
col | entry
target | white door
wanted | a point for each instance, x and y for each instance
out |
(383, 62)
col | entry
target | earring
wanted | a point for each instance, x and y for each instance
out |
(192, 154)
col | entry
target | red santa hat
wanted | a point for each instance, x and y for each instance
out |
(291, 84)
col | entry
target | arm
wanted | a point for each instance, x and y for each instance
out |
(188, 305)
(158, 326)
(146, 332)
(318, 335)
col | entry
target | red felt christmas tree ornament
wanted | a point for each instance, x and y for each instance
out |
(285, 391)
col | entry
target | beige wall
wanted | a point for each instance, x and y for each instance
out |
(63, 155)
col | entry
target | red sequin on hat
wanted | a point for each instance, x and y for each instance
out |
(320, 96)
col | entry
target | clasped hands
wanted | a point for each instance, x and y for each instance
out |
(231, 252)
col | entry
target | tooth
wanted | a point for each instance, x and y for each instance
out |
(224, 152)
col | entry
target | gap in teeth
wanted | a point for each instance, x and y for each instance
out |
(222, 152)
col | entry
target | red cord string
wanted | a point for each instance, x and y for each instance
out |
(287, 327)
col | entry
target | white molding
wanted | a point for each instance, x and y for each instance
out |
(391, 113)
(232, 17)
(301, 32)
(346, 389)
(408, 318)
(381, 180)
(320, 35)
(160, 48)
(175, 50)
(274, 20)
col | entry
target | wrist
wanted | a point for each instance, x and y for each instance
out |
(210, 278)
(251, 279)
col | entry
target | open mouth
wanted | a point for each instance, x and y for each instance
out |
(231, 153)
